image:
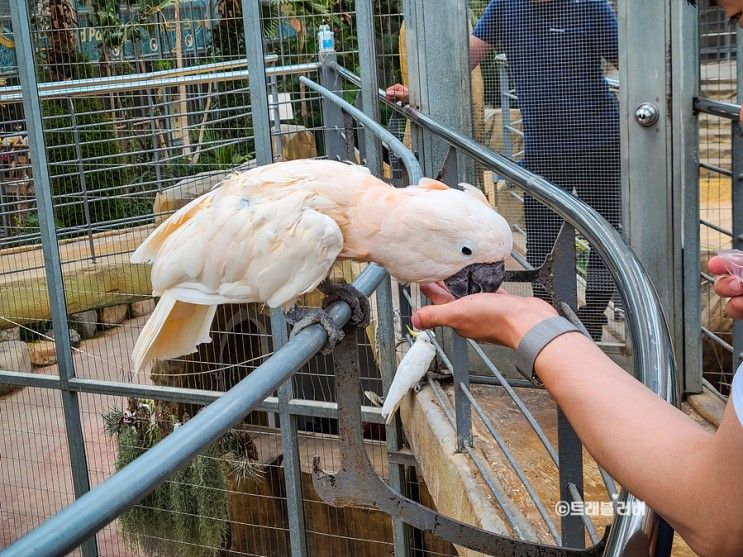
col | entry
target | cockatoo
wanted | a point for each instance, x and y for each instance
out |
(272, 233)
(413, 366)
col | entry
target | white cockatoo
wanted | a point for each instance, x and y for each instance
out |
(272, 233)
(412, 368)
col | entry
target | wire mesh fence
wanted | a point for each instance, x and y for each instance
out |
(542, 96)
(718, 74)
(145, 107)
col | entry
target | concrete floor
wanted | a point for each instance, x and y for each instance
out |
(34, 461)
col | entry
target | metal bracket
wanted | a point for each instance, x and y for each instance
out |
(544, 274)
(357, 483)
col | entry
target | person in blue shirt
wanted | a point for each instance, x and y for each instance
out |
(555, 51)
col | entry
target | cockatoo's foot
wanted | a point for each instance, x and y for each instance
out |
(359, 303)
(301, 318)
(441, 375)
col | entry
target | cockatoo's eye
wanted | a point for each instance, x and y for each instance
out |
(466, 250)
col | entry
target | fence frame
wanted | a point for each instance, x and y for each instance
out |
(654, 363)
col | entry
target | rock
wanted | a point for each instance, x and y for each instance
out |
(112, 315)
(14, 356)
(142, 307)
(85, 323)
(74, 337)
(43, 352)
(173, 198)
(10, 334)
(294, 142)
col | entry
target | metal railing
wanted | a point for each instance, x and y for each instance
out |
(89, 513)
(654, 362)
(731, 113)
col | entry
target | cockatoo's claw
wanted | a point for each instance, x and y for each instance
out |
(418, 387)
(301, 318)
(441, 375)
(359, 303)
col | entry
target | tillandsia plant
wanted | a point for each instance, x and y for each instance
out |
(187, 515)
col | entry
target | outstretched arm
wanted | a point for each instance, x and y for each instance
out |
(689, 476)
(478, 51)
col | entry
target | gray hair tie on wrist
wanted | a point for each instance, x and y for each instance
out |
(535, 340)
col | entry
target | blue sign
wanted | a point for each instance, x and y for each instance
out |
(156, 33)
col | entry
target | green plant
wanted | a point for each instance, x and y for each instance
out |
(187, 515)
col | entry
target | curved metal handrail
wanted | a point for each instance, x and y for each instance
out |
(655, 364)
(398, 147)
(654, 361)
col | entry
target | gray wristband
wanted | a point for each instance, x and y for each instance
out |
(534, 341)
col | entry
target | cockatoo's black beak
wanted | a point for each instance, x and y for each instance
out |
(478, 277)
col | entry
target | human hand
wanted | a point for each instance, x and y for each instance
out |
(397, 93)
(727, 286)
(501, 317)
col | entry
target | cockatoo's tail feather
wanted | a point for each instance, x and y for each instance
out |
(175, 328)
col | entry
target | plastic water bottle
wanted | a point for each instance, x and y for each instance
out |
(326, 39)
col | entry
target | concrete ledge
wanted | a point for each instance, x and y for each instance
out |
(452, 479)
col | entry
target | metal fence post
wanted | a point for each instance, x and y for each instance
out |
(437, 31)
(369, 81)
(372, 149)
(459, 345)
(264, 155)
(155, 143)
(684, 47)
(253, 32)
(52, 262)
(462, 407)
(651, 226)
(443, 91)
(333, 121)
(737, 202)
(569, 448)
(737, 197)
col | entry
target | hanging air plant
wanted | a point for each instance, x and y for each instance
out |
(187, 515)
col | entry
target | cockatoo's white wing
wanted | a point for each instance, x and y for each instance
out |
(227, 247)
(412, 367)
